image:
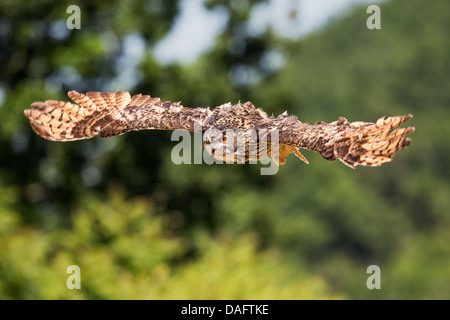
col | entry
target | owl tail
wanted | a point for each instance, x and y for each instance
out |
(372, 144)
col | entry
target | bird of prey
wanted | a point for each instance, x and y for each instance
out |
(223, 127)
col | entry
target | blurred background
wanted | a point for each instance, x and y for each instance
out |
(141, 227)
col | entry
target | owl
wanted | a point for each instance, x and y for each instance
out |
(233, 132)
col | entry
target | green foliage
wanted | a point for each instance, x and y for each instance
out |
(420, 271)
(232, 268)
(142, 227)
(124, 253)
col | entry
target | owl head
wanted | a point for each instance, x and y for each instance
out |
(229, 132)
(231, 145)
(218, 144)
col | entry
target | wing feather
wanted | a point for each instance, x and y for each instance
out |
(109, 114)
(356, 143)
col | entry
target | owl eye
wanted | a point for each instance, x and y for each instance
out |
(224, 139)
(207, 141)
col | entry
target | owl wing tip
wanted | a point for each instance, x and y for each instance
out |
(376, 143)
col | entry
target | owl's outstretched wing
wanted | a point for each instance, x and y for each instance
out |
(108, 114)
(356, 143)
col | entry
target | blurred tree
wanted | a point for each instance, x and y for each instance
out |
(124, 253)
(327, 221)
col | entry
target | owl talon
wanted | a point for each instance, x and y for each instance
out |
(299, 155)
(280, 158)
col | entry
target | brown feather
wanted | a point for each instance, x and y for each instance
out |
(111, 114)
(107, 115)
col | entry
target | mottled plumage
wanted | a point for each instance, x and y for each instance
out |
(224, 127)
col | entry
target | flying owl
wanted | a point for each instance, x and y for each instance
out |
(223, 127)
